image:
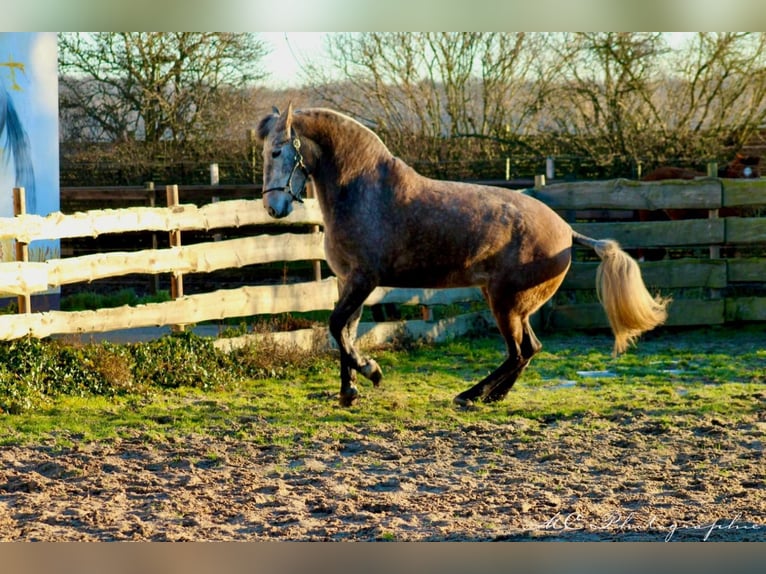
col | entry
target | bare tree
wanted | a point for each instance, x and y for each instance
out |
(603, 105)
(630, 97)
(715, 96)
(150, 86)
(439, 86)
(439, 99)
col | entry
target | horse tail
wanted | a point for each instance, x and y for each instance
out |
(629, 306)
(18, 145)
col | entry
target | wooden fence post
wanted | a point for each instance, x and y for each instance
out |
(215, 180)
(176, 279)
(253, 145)
(317, 264)
(540, 319)
(151, 200)
(22, 249)
(712, 171)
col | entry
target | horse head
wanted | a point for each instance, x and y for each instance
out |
(742, 167)
(284, 170)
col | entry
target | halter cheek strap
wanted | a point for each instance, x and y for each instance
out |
(299, 164)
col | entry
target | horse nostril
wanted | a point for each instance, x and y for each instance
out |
(272, 212)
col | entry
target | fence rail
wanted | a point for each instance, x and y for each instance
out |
(713, 280)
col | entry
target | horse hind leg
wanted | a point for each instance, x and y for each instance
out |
(521, 344)
(512, 311)
(529, 347)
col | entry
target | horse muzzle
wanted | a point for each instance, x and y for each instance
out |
(278, 203)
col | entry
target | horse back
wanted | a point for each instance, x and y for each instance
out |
(420, 232)
(669, 172)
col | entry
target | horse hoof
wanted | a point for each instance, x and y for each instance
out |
(462, 402)
(349, 397)
(372, 371)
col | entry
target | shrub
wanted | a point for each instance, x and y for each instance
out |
(33, 371)
(180, 359)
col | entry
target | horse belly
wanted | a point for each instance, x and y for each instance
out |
(436, 277)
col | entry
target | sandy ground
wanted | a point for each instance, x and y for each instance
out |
(631, 479)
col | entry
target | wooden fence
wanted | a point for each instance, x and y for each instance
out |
(714, 285)
(708, 289)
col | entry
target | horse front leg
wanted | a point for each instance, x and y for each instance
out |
(365, 365)
(344, 321)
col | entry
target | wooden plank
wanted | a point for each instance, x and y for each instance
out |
(198, 258)
(657, 233)
(575, 317)
(703, 193)
(235, 213)
(750, 270)
(681, 312)
(424, 296)
(17, 278)
(242, 302)
(746, 309)
(117, 195)
(745, 230)
(744, 192)
(371, 334)
(666, 274)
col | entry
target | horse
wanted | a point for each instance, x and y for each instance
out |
(741, 167)
(385, 224)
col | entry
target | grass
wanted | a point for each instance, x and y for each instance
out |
(279, 396)
(92, 300)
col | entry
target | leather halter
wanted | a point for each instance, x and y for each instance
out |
(299, 164)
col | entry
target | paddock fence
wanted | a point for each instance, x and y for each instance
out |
(715, 267)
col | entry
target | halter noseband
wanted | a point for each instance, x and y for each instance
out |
(296, 143)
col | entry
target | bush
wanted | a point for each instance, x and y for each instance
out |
(268, 359)
(34, 371)
(181, 359)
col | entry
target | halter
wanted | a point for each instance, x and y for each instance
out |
(296, 143)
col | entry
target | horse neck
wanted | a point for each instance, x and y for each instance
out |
(345, 150)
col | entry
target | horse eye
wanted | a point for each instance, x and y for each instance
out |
(276, 153)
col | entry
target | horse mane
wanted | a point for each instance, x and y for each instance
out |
(356, 148)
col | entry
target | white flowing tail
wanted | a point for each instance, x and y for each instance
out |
(629, 306)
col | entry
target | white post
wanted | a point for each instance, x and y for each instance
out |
(550, 167)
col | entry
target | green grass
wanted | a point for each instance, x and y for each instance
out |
(91, 300)
(180, 387)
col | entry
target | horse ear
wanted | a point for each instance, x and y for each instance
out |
(275, 109)
(289, 117)
(266, 125)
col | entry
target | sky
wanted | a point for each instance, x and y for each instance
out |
(288, 51)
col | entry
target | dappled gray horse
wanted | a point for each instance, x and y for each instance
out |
(387, 225)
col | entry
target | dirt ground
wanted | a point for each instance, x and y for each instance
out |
(632, 479)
